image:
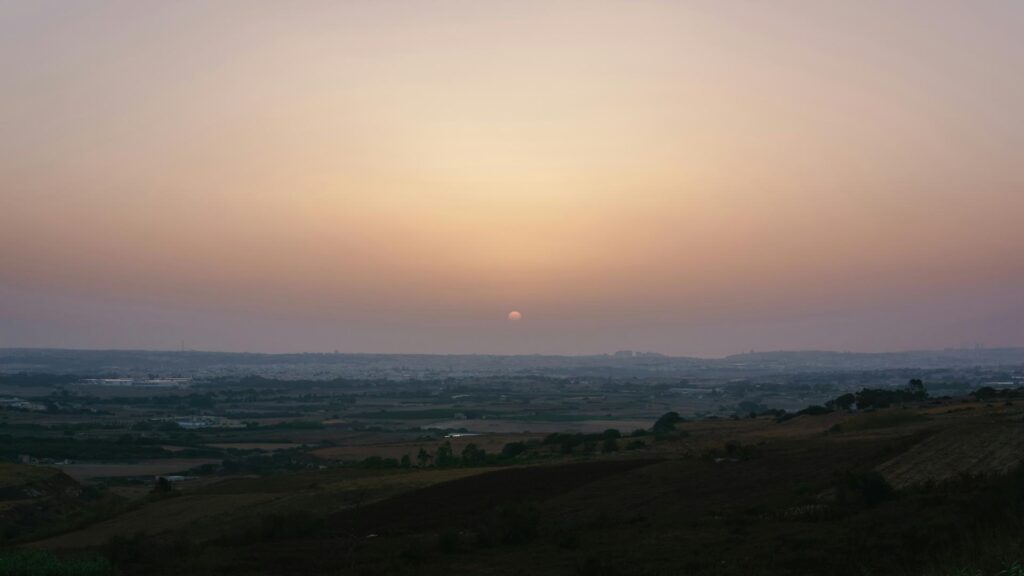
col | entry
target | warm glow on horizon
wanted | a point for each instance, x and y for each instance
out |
(688, 178)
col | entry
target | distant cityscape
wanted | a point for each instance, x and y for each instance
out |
(176, 369)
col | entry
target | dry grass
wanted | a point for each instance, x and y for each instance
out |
(85, 472)
(195, 512)
(234, 504)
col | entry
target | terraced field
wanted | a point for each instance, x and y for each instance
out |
(966, 449)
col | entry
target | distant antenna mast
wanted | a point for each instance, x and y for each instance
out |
(183, 346)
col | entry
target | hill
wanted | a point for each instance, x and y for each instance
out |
(923, 489)
(34, 499)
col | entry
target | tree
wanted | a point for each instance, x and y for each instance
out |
(844, 402)
(444, 456)
(917, 390)
(513, 449)
(666, 423)
(423, 458)
(985, 393)
(815, 410)
(473, 455)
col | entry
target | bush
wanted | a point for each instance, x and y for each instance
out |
(513, 449)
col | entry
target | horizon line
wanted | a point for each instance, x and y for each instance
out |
(534, 354)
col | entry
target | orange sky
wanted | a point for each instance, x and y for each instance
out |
(683, 177)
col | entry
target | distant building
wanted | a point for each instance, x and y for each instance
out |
(140, 382)
(20, 404)
(197, 422)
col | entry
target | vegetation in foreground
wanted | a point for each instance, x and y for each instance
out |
(41, 563)
(876, 481)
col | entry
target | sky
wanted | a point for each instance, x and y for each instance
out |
(691, 178)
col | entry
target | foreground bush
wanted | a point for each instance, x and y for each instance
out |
(39, 563)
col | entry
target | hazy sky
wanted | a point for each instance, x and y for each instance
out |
(691, 177)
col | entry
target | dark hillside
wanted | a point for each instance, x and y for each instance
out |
(34, 498)
(841, 493)
(464, 502)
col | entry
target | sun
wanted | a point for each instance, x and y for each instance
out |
(515, 316)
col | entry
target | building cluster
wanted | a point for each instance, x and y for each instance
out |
(21, 404)
(140, 382)
(197, 422)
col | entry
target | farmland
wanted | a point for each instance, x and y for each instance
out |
(496, 475)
